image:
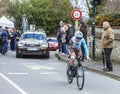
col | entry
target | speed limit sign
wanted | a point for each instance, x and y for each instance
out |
(76, 14)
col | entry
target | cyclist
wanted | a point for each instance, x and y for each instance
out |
(74, 47)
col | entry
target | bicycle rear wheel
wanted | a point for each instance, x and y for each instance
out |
(69, 76)
(80, 77)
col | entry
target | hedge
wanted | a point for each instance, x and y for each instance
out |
(112, 18)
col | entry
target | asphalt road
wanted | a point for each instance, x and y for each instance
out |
(38, 75)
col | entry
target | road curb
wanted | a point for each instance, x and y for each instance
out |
(110, 74)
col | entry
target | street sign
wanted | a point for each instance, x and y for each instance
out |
(76, 14)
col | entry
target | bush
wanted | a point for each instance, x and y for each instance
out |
(112, 18)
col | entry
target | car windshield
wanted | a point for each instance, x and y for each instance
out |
(52, 40)
(36, 36)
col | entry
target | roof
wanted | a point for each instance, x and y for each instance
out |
(51, 38)
(4, 22)
(34, 32)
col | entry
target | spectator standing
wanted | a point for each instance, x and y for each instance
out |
(4, 33)
(59, 36)
(4, 41)
(83, 29)
(107, 41)
(6, 29)
(64, 34)
(18, 33)
(13, 40)
(64, 50)
(8, 41)
(69, 33)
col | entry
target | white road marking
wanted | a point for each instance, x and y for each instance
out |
(87, 73)
(3, 63)
(18, 73)
(29, 63)
(13, 84)
(48, 73)
(37, 67)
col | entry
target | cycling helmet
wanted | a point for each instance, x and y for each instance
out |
(79, 35)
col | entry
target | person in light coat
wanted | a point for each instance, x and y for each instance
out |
(107, 41)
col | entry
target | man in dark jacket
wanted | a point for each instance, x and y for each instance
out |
(4, 44)
(83, 29)
(69, 33)
(59, 36)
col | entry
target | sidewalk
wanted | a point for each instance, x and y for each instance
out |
(96, 66)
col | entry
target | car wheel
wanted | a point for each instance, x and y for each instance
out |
(17, 56)
(48, 55)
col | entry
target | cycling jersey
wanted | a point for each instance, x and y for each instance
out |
(77, 45)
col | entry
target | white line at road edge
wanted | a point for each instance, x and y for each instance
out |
(18, 73)
(13, 84)
(48, 73)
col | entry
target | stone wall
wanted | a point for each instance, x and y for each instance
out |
(98, 50)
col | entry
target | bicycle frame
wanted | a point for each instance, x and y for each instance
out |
(77, 72)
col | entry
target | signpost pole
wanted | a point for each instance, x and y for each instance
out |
(76, 25)
(76, 21)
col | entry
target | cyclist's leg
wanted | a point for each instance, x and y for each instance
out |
(79, 55)
(69, 68)
(72, 58)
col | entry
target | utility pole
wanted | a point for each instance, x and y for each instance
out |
(93, 32)
(94, 3)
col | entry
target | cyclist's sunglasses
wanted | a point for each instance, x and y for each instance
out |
(79, 38)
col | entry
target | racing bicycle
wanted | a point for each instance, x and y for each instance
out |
(77, 72)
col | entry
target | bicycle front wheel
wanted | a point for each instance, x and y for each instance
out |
(80, 77)
(69, 76)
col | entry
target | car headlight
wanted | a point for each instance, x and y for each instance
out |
(45, 45)
(20, 44)
(56, 44)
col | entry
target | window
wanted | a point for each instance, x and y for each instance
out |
(36, 36)
(52, 40)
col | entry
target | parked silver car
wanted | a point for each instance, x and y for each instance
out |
(33, 43)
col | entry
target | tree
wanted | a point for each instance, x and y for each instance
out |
(3, 4)
(99, 9)
(112, 6)
(44, 14)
